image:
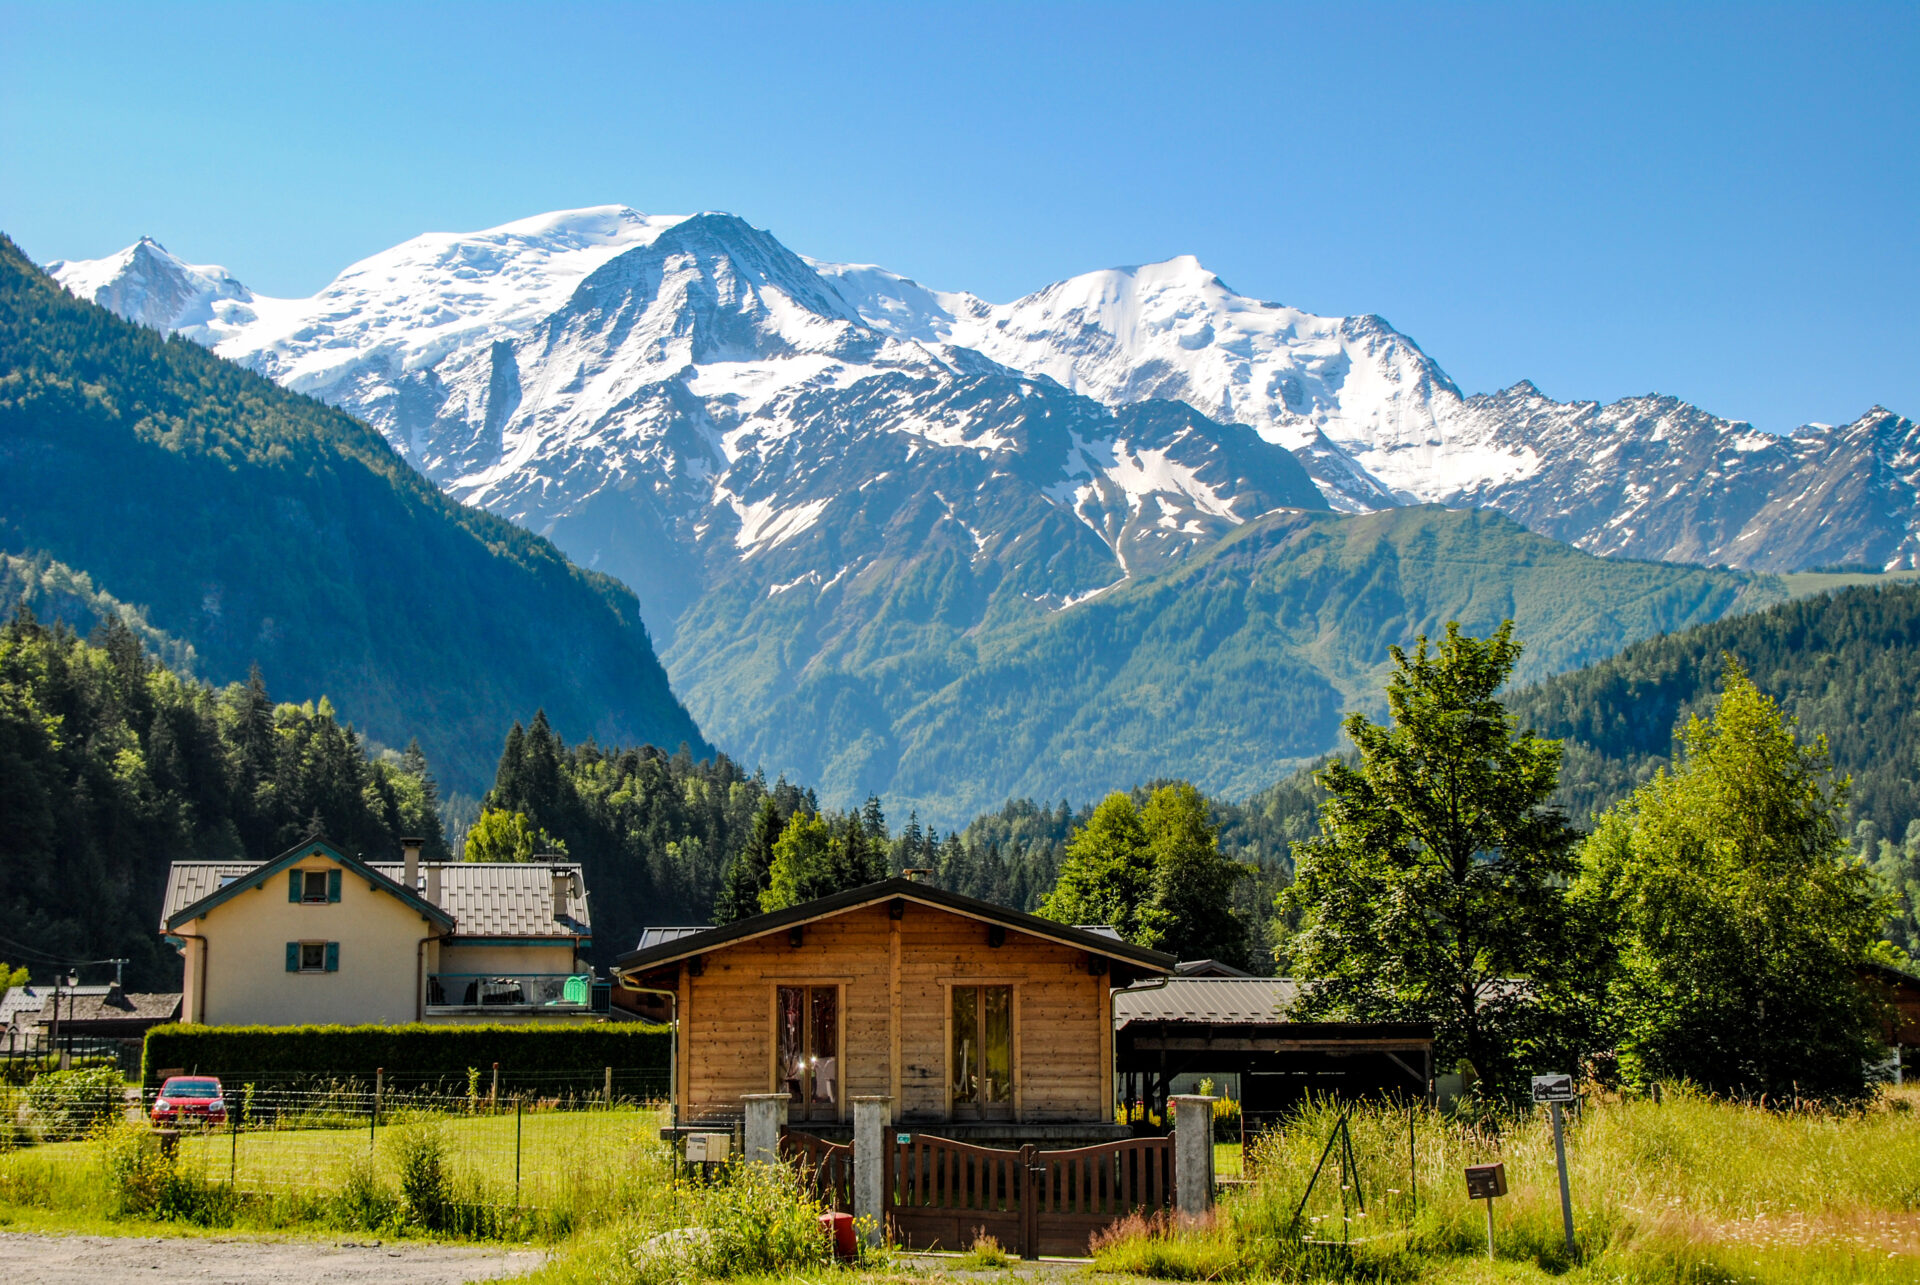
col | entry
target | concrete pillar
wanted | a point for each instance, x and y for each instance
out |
(1192, 1154)
(766, 1117)
(871, 1116)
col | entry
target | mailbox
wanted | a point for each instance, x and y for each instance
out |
(708, 1148)
(1484, 1182)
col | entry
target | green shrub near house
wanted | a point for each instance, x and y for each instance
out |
(530, 1057)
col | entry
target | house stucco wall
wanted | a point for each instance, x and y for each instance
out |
(244, 956)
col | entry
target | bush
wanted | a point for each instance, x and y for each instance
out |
(363, 1201)
(420, 1052)
(419, 1149)
(66, 1104)
(144, 1181)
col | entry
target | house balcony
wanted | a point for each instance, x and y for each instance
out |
(499, 994)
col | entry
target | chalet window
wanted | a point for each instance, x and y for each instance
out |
(981, 1059)
(808, 1021)
(313, 956)
(313, 887)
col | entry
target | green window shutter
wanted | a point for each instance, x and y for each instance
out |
(333, 956)
(293, 885)
(293, 956)
(333, 884)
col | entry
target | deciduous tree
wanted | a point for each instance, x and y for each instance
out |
(1435, 890)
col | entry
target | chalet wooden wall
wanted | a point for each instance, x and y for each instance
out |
(894, 977)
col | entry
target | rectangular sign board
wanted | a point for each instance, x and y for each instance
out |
(1484, 1182)
(1552, 1088)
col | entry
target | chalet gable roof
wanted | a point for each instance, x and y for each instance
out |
(182, 884)
(659, 947)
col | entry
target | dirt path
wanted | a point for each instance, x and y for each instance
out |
(107, 1260)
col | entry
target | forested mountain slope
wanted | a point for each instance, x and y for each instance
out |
(258, 525)
(1845, 664)
(112, 766)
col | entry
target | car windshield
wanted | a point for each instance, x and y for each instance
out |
(192, 1089)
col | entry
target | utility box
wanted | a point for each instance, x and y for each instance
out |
(1484, 1182)
(708, 1148)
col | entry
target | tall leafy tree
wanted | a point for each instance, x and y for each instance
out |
(1435, 890)
(1107, 877)
(1191, 912)
(1737, 915)
(803, 863)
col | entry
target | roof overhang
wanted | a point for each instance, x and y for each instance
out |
(258, 876)
(636, 962)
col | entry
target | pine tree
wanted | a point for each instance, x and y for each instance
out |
(750, 870)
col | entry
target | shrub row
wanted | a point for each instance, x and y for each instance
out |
(531, 1057)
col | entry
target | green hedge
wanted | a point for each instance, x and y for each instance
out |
(529, 1056)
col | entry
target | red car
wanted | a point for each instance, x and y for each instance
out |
(190, 1099)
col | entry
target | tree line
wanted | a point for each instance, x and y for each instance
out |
(114, 766)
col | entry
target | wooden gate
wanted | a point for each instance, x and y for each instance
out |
(943, 1194)
(826, 1166)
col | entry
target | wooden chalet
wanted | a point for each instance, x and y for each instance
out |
(979, 1022)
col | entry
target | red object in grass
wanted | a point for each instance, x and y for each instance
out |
(190, 1099)
(840, 1227)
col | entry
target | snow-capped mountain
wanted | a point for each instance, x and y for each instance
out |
(811, 471)
(146, 284)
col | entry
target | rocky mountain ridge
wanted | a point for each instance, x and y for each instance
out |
(855, 509)
(438, 341)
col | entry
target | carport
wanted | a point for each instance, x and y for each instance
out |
(1238, 1026)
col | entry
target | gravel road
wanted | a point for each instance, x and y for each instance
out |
(101, 1260)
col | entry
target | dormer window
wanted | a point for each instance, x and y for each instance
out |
(313, 886)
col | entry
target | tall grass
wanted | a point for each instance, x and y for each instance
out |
(1690, 1190)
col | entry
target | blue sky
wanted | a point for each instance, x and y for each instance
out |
(1719, 202)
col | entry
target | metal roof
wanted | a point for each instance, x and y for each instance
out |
(680, 947)
(651, 937)
(485, 898)
(1218, 1001)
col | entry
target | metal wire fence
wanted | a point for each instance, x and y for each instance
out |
(525, 1149)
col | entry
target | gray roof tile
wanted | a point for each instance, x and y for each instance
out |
(486, 899)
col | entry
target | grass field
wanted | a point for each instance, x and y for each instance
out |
(1801, 583)
(1689, 1190)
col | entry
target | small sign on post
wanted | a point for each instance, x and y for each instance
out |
(1553, 1090)
(1484, 1182)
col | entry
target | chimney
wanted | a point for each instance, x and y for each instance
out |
(433, 882)
(410, 863)
(562, 887)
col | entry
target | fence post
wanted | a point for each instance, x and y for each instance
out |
(379, 1088)
(233, 1154)
(871, 1115)
(609, 1088)
(1192, 1154)
(766, 1117)
(493, 1094)
(519, 1113)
